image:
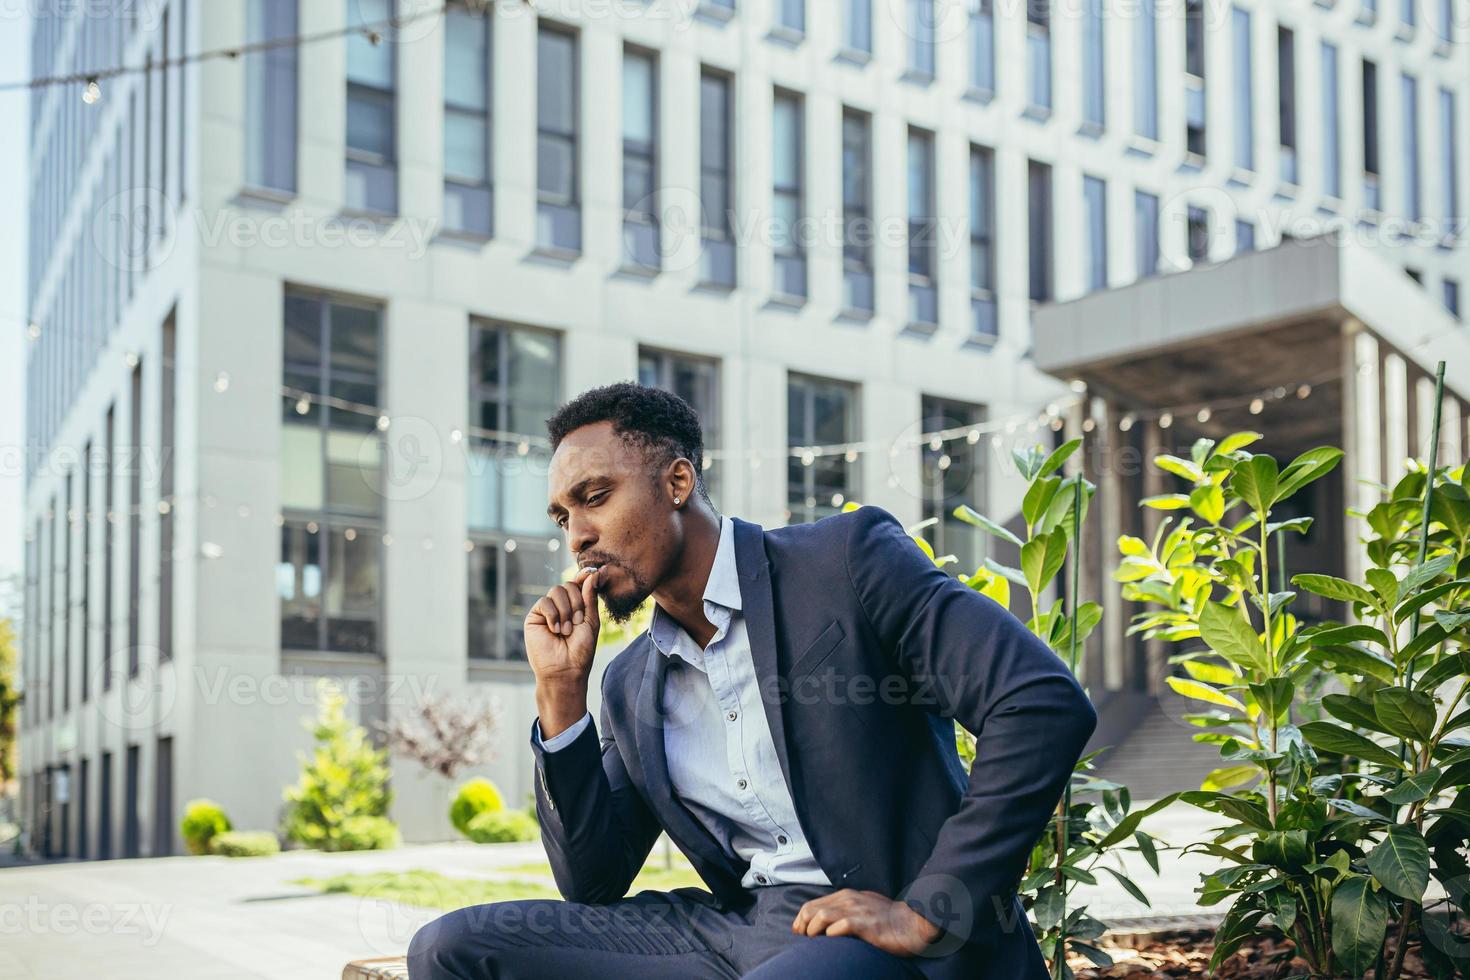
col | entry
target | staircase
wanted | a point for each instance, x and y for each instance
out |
(1159, 756)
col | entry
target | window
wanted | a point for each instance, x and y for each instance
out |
(1369, 12)
(166, 495)
(1146, 72)
(468, 199)
(857, 26)
(923, 230)
(163, 797)
(716, 158)
(952, 474)
(372, 129)
(1095, 199)
(640, 161)
(1410, 88)
(790, 257)
(791, 16)
(1038, 57)
(1286, 81)
(921, 38)
(514, 384)
(109, 536)
(1331, 154)
(1245, 139)
(1038, 230)
(104, 808)
(64, 568)
(819, 412)
(1198, 233)
(857, 208)
(1446, 25)
(329, 578)
(1094, 78)
(1372, 197)
(270, 97)
(1245, 236)
(1449, 165)
(135, 515)
(1407, 18)
(984, 323)
(1146, 233)
(1452, 296)
(131, 830)
(982, 48)
(696, 380)
(86, 572)
(1194, 77)
(558, 212)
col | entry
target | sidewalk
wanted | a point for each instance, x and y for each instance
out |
(209, 917)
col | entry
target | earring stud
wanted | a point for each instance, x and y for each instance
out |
(676, 501)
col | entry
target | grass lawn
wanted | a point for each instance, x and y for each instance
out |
(653, 876)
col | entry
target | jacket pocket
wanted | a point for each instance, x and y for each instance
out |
(817, 651)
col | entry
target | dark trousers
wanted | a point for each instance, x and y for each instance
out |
(679, 935)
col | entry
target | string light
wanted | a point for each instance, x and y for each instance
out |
(92, 92)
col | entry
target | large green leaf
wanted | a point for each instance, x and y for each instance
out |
(1274, 696)
(1334, 588)
(1417, 787)
(970, 516)
(1352, 659)
(1401, 862)
(1354, 711)
(1359, 922)
(1254, 481)
(1407, 714)
(1041, 558)
(1059, 456)
(1328, 737)
(1356, 633)
(1230, 635)
(1204, 692)
(1307, 467)
(1432, 569)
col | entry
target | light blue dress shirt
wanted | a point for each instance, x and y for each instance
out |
(722, 760)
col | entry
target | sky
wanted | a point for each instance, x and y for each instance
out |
(14, 139)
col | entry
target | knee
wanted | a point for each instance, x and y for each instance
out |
(458, 944)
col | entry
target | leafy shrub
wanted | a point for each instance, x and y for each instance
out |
(364, 833)
(244, 843)
(475, 797)
(500, 826)
(345, 778)
(202, 820)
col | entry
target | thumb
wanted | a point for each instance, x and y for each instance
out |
(591, 614)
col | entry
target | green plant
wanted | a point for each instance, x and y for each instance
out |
(203, 819)
(344, 778)
(244, 843)
(369, 833)
(1095, 819)
(499, 826)
(1333, 827)
(475, 797)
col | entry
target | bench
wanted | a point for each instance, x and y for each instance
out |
(378, 968)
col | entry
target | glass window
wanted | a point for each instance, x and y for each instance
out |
(1286, 81)
(820, 413)
(1038, 230)
(558, 213)
(857, 225)
(467, 125)
(1198, 233)
(1371, 191)
(372, 175)
(1449, 165)
(1244, 81)
(270, 96)
(857, 26)
(717, 259)
(1145, 72)
(982, 242)
(1410, 88)
(506, 577)
(640, 161)
(923, 231)
(1245, 236)
(1094, 78)
(696, 380)
(1038, 55)
(1194, 77)
(787, 161)
(1146, 233)
(1095, 198)
(791, 15)
(952, 474)
(982, 47)
(921, 37)
(1452, 296)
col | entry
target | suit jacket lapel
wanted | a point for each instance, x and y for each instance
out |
(760, 629)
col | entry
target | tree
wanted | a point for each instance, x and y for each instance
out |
(9, 700)
(345, 780)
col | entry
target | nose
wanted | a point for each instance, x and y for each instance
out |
(580, 536)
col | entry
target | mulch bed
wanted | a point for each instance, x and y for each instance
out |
(1186, 953)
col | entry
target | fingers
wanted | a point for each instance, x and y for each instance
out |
(826, 906)
(590, 612)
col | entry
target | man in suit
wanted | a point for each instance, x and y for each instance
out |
(788, 718)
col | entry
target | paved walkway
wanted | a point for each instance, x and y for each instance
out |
(205, 917)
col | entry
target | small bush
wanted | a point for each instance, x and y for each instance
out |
(244, 843)
(502, 826)
(475, 797)
(203, 819)
(363, 833)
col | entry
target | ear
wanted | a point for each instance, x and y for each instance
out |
(681, 480)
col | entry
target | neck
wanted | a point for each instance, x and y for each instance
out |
(682, 593)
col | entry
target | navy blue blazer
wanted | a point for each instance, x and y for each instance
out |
(866, 654)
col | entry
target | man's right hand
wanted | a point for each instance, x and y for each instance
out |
(561, 638)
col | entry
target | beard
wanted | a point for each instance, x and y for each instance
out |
(620, 607)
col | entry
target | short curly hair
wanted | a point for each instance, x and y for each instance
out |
(658, 423)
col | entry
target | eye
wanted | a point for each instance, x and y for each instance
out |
(593, 500)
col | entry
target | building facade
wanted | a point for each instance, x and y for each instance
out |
(299, 314)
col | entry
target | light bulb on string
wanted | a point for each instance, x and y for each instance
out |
(92, 92)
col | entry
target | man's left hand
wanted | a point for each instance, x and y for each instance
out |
(889, 924)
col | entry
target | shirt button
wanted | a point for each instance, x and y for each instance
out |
(781, 839)
(733, 715)
(742, 784)
(760, 879)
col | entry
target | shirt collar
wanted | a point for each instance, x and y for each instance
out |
(721, 594)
